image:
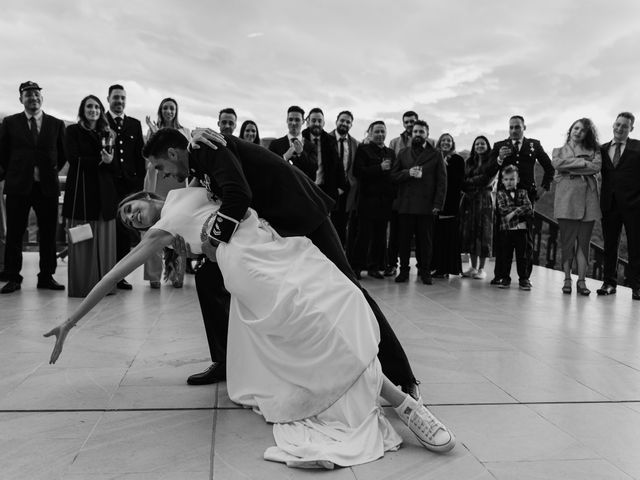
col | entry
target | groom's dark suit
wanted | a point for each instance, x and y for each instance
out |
(244, 175)
(620, 205)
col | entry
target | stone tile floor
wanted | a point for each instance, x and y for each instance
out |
(536, 385)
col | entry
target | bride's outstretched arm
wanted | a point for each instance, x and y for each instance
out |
(151, 243)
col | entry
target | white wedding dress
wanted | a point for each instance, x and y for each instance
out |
(302, 341)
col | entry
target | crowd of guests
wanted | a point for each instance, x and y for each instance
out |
(412, 193)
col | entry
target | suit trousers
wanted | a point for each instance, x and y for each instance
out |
(420, 227)
(392, 250)
(506, 242)
(352, 232)
(340, 218)
(496, 248)
(214, 303)
(612, 222)
(370, 243)
(46, 209)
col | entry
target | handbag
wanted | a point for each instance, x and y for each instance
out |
(81, 232)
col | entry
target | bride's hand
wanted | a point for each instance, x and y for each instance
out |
(60, 332)
(206, 136)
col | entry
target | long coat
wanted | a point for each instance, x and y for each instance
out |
(576, 196)
(377, 191)
(19, 154)
(94, 179)
(419, 196)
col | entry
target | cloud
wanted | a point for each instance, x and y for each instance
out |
(465, 66)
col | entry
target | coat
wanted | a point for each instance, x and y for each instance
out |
(306, 161)
(130, 166)
(19, 154)
(352, 182)
(95, 180)
(333, 176)
(243, 175)
(576, 195)
(419, 196)
(621, 183)
(377, 191)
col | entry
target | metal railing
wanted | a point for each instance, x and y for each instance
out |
(545, 243)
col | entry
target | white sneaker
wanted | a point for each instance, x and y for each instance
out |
(480, 274)
(470, 272)
(430, 431)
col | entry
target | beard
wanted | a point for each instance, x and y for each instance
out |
(342, 130)
(315, 131)
(417, 142)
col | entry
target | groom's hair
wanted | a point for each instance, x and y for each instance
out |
(163, 140)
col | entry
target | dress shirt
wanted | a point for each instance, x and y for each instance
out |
(345, 160)
(320, 171)
(38, 116)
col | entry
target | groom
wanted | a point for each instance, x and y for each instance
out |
(242, 175)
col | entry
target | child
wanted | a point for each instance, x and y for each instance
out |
(514, 207)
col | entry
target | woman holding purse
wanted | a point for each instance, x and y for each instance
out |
(90, 197)
(576, 204)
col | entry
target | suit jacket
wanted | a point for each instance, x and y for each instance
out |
(129, 164)
(333, 176)
(377, 192)
(530, 152)
(307, 161)
(244, 175)
(19, 154)
(95, 180)
(351, 191)
(621, 183)
(419, 196)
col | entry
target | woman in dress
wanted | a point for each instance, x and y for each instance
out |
(576, 204)
(476, 208)
(286, 344)
(155, 182)
(249, 132)
(90, 196)
(446, 240)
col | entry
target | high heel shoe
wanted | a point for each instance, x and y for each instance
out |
(581, 288)
(566, 288)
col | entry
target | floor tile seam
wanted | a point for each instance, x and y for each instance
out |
(216, 409)
(212, 453)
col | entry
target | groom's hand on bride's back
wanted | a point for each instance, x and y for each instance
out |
(206, 136)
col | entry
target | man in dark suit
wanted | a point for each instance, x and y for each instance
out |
(343, 215)
(523, 153)
(227, 120)
(128, 162)
(31, 154)
(330, 175)
(620, 204)
(421, 176)
(293, 147)
(243, 175)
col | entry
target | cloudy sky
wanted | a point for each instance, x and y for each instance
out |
(464, 65)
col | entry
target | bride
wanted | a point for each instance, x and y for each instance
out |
(302, 338)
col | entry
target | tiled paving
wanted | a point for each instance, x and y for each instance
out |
(536, 385)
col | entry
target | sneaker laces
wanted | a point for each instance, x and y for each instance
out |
(423, 421)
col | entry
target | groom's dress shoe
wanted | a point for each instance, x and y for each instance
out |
(10, 287)
(217, 372)
(606, 289)
(49, 284)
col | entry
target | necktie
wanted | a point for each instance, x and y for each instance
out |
(616, 154)
(516, 146)
(34, 129)
(118, 121)
(342, 151)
